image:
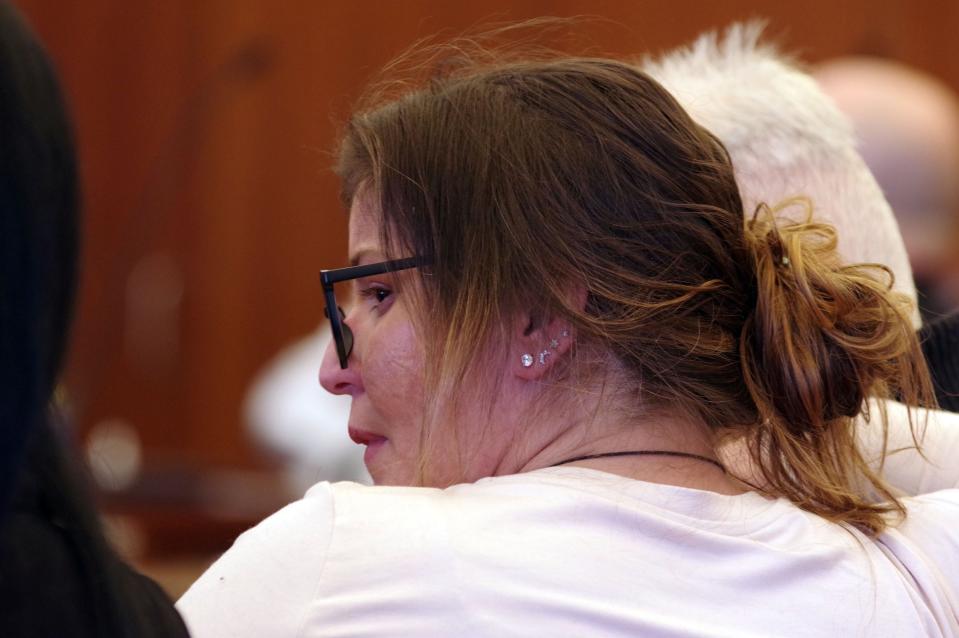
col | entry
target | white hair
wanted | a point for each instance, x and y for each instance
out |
(786, 138)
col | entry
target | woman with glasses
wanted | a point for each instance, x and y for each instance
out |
(557, 317)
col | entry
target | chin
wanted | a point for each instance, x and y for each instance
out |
(393, 475)
(405, 474)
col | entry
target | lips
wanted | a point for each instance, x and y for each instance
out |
(373, 443)
(362, 437)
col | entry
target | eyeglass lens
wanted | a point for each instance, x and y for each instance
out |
(345, 346)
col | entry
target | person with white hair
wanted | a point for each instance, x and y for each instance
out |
(788, 139)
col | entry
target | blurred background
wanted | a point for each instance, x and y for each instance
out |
(206, 130)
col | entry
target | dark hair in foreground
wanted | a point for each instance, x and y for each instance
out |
(58, 575)
(521, 179)
(38, 236)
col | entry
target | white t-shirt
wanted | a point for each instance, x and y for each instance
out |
(567, 552)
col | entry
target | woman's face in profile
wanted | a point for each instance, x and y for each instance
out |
(385, 380)
(385, 374)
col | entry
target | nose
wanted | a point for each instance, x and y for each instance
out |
(335, 379)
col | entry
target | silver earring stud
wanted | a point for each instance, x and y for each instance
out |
(564, 333)
(553, 344)
(527, 360)
(542, 357)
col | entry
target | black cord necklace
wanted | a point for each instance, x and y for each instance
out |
(688, 455)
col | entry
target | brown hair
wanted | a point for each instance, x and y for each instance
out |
(518, 179)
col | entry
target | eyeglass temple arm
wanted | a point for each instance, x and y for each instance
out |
(330, 277)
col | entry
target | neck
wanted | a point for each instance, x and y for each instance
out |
(599, 427)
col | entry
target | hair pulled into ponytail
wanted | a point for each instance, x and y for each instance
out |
(822, 338)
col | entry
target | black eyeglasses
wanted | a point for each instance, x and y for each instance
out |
(342, 335)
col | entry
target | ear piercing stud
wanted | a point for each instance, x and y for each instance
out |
(527, 359)
(553, 344)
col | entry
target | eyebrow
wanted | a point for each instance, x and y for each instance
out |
(363, 253)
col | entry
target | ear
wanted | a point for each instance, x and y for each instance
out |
(540, 343)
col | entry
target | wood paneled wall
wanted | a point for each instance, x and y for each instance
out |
(205, 130)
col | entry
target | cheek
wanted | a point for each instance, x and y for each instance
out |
(393, 375)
